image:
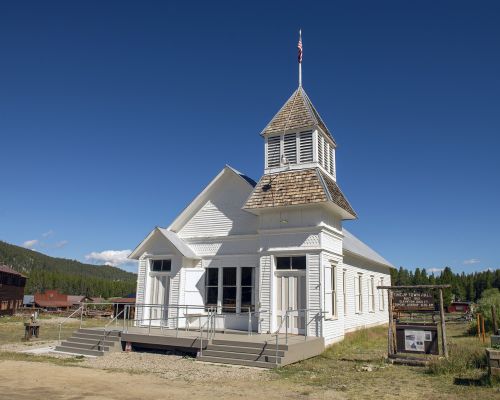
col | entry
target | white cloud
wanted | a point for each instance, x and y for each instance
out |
(471, 261)
(50, 232)
(110, 257)
(61, 244)
(29, 244)
(435, 271)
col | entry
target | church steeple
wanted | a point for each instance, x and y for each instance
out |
(297, 137)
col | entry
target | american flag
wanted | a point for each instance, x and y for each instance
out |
(299, 46)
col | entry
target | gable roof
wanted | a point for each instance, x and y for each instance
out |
(181, 246)
(353, 245)
(8, 270)
(298, 112)
(298, 187)
(176, 224)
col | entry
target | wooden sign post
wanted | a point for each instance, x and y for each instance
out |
(416, 338)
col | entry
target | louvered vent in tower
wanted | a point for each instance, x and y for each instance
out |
(273, 151)
(290, 148)
(306, 147)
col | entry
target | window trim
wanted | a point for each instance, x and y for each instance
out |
(344, 289)
(220, 290)
(291, 263)
(381, 296)
(333, 308)
(358, 294)
(164, 258)
(371, 294)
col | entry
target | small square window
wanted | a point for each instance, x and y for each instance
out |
(161, 265)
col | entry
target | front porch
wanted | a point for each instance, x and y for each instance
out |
(229, 347)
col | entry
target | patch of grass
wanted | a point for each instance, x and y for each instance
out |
(357, 367)
(462, 359)
(14, 356)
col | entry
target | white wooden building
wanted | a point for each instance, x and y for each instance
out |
(257, 251)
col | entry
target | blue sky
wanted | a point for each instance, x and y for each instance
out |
(114, 115)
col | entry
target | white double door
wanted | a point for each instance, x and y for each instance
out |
(158, 299)
(290, 295)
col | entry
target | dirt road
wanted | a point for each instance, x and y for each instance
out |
(22, 380)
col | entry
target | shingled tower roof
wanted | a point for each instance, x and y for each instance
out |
(299, 187)
(298, 112)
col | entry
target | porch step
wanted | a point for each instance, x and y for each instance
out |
(240, 349)
(78, 339)
(78, 351)
(88, 346)
(235, 361)
(241, 356)
(91, 342)
(256, 345)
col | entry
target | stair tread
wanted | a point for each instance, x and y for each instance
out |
(235, 361)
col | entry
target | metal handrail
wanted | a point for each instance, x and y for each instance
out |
(110, 322)
(276, 334)
(68, 317)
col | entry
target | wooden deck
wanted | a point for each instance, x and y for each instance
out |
(230, 347)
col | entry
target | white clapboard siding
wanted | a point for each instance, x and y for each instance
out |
(314, 298)
(266, 292)
(357, 319)
(306, 147)
(221, 214)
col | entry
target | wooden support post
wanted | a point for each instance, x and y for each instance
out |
(479, 326)
(443, 324)
(390, 343)
(494, 319)
(482, 328)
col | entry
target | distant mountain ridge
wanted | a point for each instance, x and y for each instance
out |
(71, 276)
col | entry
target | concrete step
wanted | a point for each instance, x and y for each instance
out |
(94, 331)
(87, 346)
(250, 350)
(233, 361)
(258, 345)
(83, 352)
(96, 336)
(90, 341)
(241, 356)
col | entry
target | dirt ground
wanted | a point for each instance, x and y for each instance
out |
(23, 380)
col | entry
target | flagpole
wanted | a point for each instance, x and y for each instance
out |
(300, 61)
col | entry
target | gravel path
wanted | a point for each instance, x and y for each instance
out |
(174, 367)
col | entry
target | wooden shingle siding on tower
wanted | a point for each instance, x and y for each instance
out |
(298, 187)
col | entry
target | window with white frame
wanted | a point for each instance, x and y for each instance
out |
(344, 290)
(371, 294)
(331, 290)
(381, 296)
(358, 293)
(161, 265)
(211, 287)
(230, 289)
(293, 262)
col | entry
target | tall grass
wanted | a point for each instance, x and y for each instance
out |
(462, 360)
